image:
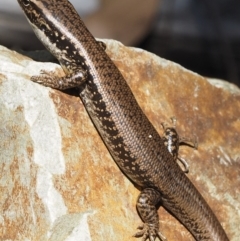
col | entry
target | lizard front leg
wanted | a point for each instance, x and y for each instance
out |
(48, 79)
(146, 206)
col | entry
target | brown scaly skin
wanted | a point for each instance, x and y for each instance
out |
(172, 141)
(131, 139)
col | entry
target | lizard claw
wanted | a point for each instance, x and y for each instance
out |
(149, 231)
(42, 77)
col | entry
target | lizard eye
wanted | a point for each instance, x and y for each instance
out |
(25, 2)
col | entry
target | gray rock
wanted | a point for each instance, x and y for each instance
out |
(58, 181)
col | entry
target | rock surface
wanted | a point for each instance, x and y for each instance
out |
(57, 179)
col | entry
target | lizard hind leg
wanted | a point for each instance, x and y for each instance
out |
(172, 141)
(146, 206)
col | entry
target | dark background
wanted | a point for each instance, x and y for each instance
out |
(203, 36)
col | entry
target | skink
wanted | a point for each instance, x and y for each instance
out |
(131, 139)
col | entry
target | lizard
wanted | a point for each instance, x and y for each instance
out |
(172, 141)
(129, 136)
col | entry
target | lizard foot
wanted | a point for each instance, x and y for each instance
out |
(45, 78)
(49, 79)
(149, 231)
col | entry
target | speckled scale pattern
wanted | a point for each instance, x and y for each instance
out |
(171, 141)
(131, 139)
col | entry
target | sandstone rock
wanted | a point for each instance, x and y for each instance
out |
(57, 179)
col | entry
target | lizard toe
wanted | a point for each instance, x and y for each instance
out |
(149, 231)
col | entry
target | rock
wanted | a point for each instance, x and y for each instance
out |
(58, 181)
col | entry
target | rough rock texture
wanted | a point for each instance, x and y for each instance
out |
(57, 179)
